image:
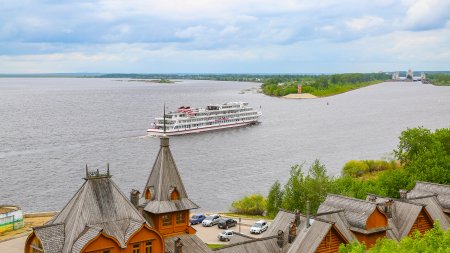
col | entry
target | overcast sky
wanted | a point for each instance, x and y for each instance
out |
(224, 36)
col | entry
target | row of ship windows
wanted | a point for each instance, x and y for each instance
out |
(212, 113)
(215, 123)
(205, 119)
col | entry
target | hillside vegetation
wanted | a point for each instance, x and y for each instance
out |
(322, 85)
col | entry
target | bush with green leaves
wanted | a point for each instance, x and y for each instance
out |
(254, 204)
(435, 240)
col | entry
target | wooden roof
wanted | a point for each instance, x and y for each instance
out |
(434, 209)
(338, 219)
(191, 244)
(309, 238)
(163, 180)
(260, 245)
(441, 190)
(98, 206)
(356, 211)
(404, 214)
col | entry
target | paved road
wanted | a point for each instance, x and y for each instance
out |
(13, 246)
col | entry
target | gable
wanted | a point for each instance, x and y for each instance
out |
(101, 242)
(422, 223)
(376, 220)
(331, 241)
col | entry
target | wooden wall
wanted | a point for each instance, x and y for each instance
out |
(376, 219)
(423, 223)
(370, 239)
(330, 243)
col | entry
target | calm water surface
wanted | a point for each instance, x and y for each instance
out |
(50, 128)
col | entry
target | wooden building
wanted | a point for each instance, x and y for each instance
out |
(165, 204)
(404, 217)
(441, 191)
(98, 219)
(365, 219)
(293, 232)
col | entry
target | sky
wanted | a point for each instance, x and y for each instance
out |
(223, 36)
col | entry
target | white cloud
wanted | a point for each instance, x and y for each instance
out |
(366, 22)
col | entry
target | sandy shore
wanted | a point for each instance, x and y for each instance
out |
(302, 95)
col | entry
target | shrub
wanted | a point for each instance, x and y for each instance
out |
(355, 168)
(254, 204)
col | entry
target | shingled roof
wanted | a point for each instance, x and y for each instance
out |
(338, 219)
(163, 180)
(403, 215)
(356, 211)
(191, 244)
(442, 191)
(98, 206)
(433, 208)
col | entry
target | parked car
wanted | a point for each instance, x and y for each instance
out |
(226, 223)
(211, 220)
(197, 218)
(259, 227)
(225, 235)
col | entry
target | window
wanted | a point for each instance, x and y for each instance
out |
(148, 247)
(166, 220)
(148, 194)
(175, 195)
(136, 248)
(181, 217)
(106, 251)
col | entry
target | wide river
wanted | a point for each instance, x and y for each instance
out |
(50, 128)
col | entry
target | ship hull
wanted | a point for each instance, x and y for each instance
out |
(159, 132)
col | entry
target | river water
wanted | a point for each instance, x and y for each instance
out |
(50, 128)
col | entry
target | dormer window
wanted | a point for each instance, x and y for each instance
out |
(174, 194)
(149, 193)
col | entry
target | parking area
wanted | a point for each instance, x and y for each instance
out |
(209, 234)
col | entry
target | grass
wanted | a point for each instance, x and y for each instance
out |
(338, 89)
(215, 246)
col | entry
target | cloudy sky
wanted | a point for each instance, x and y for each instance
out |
(223, 36)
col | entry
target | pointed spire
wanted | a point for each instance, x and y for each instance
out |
(164, 118)
(107, 169)
(86, 171)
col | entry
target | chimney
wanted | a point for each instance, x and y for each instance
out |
(134, 197)
(308, 224)
(297, 217)
(280, 238)
(292, 231)
(178, 246)
(388, 206)
(403, 194)
(372, 198)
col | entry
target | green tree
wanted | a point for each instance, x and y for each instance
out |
(300, 188)
(274, 199)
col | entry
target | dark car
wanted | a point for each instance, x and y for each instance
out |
(197, 218)
(227, 223)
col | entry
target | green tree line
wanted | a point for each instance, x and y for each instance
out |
(321, 85)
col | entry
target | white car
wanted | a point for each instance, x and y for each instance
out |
(225, 235)
(211, 220)
(259, 227)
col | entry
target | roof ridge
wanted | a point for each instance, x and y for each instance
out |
(423, 182)
(350, 198)
(248, 241)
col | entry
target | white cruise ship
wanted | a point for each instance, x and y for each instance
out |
(186, 120)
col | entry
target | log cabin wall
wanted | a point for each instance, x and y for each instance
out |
(370, 239)
(422, 224)
(331, 242)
